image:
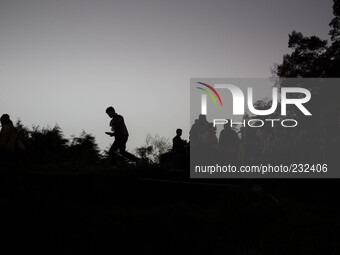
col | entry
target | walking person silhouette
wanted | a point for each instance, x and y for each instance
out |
(121, 134)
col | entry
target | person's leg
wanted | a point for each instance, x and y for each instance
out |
(122, 150)
(113, 149)
(129, 156)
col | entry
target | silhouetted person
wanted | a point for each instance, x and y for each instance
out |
(197, 131)
(209, 147)
(178, 144)
(179, 147)
(120, 132)
(228, 144)
(203, 140)
(10, 144)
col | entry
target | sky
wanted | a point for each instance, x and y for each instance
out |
(64, 62)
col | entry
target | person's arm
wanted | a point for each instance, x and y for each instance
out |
(113, 129)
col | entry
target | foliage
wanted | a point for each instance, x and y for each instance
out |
(84, 148)
(49, 145)
(312, 56)
(154, 147)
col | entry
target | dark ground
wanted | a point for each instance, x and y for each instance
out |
(107, 213)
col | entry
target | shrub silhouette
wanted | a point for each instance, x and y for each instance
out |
(49, 145)
(84, 148)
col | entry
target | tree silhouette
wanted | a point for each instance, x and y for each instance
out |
(154, 147)
(49, 145)
(308, 59)
(334, 50)
(312, 57)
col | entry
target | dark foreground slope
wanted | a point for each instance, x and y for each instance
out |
(149, 212)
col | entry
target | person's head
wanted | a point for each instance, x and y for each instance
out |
(227, 125)
(5, 120)
(110, 111)
(202, 118)
(179, 131)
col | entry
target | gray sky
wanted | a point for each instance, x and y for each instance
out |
(66, 61)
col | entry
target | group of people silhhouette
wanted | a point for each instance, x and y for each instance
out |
(206, 146)
(310, 142)
(12, 148)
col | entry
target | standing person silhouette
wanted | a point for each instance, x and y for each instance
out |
(178, 144)
(229, 144)
(179, 147)
(121, 134)
(11, 146)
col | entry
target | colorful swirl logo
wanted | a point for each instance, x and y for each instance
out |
(209, 93)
